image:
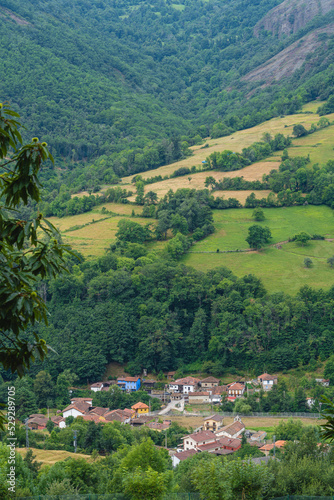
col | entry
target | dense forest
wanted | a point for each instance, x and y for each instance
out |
(120, 87)
(154, 313)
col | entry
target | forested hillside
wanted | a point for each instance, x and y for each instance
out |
(109, 77)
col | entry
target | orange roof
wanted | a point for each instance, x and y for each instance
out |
(139, 405)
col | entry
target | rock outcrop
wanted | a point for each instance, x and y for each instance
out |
(292, 15)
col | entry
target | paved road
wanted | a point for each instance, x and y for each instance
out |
(172, 406)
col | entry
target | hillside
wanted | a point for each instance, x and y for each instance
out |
(119, 78)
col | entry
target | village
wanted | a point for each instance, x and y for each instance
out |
(212, 436)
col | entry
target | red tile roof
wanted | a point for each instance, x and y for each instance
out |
(209, 380)
(182, 455)
(230, 443)
(266, 376)
(233, 428)
(139, 405)
(201, 436)
(187, 381)
(216, 418)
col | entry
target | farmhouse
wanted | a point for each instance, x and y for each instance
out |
(76, 409)
(184, 385)
(37, 421)
(209, 382)
(139, 409)
(96, 387)
(193, 441)
(182, 455)
(232, 431)
(129, 384)
(199, 397)
(213, 423)
(235, 390)
(267, 381)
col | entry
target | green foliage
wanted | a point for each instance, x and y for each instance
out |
(302, 238)
(299, 130)
(258, 214)
(25, 257)
(308, 262)
(258, 236)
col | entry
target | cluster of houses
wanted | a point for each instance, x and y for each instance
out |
(208, 389)
(83, 407)
(214, 437)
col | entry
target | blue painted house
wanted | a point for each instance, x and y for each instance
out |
(129, 384)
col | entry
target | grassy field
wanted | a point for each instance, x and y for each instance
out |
(253, 423)
(50, 457)
(92, 239)
(244, 138)
(232, 225)
(280, 269)
(251, 173)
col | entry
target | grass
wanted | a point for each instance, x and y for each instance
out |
(232, 225)
(280, 269)
(50, 457)
(253, 423)
(92, 240)
(244, 138)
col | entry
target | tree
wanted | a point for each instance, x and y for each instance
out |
(43, 388)
(302, 238)
(132, 232)
(258, 236)
(299, 130)
(258, 214)
(330, 261)
(50, 425)
(25, 256)
(308, 262)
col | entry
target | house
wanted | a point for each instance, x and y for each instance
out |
(267, 381)
(235, 390)
(213, 423)
(266, 449)
(140, 409)
(258, 436)
(37, 421)
(59, 421)
(323, 381)
(233, 430)
(182, 455)
(199, 397)
(87, 400)
(141, 420)
(96, 387)
(129, 384)
(193, 441)
(98, 410)
(217, 393)
(184, 385)
(170, 375)
(148, 385)
(230, 444)
(108, 384)
(209, 382)
(94, 418)
(76, 409)
(310, 402)
(123, 416)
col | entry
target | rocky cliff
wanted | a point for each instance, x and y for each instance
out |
(292, 15)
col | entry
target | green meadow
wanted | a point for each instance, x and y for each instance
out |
(280, 269)
(232, 226)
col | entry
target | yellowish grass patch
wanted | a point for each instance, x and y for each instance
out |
(50, 457)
